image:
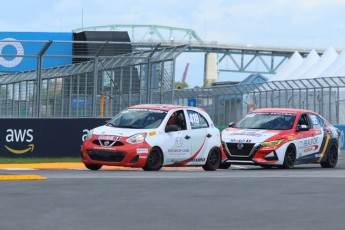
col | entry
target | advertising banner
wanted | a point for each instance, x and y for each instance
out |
(44, 137)
(18, 50)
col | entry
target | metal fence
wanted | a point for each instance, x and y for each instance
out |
(102, 78)
(229, 103)
(99, 79)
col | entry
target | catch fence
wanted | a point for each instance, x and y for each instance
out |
(71, 79)
(84, 79)
(229, 103)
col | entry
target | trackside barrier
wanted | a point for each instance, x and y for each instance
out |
(342, 139)
(53, 137)
(44, 137)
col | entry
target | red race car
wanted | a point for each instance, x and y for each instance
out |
(152, 136)
(281, 138)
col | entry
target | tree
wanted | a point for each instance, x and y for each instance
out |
(181, 85)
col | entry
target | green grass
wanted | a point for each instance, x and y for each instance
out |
(29, 160)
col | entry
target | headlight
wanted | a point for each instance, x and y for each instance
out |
(272, 143)
(89, 135)
(137, 138)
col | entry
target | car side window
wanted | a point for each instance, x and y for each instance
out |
(303, 120)
(178, 119)
(197, 120)
(315, 121)
(322, 122)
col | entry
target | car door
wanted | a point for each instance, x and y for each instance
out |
(178, 143)
(309, 142)
(198, 132)
(319, 133)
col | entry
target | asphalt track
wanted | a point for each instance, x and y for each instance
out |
(242, 197)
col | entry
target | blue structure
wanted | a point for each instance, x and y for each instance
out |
(16, 56)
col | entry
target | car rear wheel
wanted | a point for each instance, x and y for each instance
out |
(224, 165)
(332, 157)
(93, 166)
(290, 157)
(213, 160)
(154, 161)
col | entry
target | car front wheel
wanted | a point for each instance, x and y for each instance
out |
(290, 157)
(213, 160)
(154, 161)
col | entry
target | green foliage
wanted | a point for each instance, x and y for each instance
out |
(181, 85)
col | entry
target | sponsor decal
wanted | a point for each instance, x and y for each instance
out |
(240, 141)
(275, 113)
(199, 160)
(105, 147)
(153, 133)
(108, 138)
(142, 150)
(178, 141)
(143, 157)
(247, 133)
(19, 136)
(308, 145)
(172, 152)
(290, 138)
(146, 110)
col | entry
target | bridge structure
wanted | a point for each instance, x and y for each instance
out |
(219, 58)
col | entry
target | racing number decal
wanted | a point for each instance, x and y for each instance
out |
(194, 118)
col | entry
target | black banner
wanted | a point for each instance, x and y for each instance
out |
(44, 137)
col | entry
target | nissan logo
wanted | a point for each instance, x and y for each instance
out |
(240, 145)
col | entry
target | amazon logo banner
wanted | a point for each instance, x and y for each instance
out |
(20, 141)
(44, 137)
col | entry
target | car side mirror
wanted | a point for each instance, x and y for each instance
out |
(231, 124)
(171, 128)
(302, 128)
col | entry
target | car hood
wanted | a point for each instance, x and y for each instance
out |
(235, 135)
(123, 132)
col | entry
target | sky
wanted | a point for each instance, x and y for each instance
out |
(275, 23)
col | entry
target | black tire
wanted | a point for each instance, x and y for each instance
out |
(213, 160)
(154, 160)
(332, 157)
(224, 165)
(289, 158)
(93, 166)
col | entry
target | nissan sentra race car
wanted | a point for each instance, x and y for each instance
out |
(282, 138)
(152, 136)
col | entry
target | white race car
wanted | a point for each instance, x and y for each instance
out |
(152, 136)
(281, 138)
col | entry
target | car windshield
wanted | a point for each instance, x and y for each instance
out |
(274, 121)
(138, 119)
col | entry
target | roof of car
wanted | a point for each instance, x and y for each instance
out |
(164, 107)
(283, 110)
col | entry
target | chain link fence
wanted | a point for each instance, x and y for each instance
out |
(325, 96)
(88, 79)
(98, 79)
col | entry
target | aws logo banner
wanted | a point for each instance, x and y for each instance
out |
(44, 137)
(19, 141)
